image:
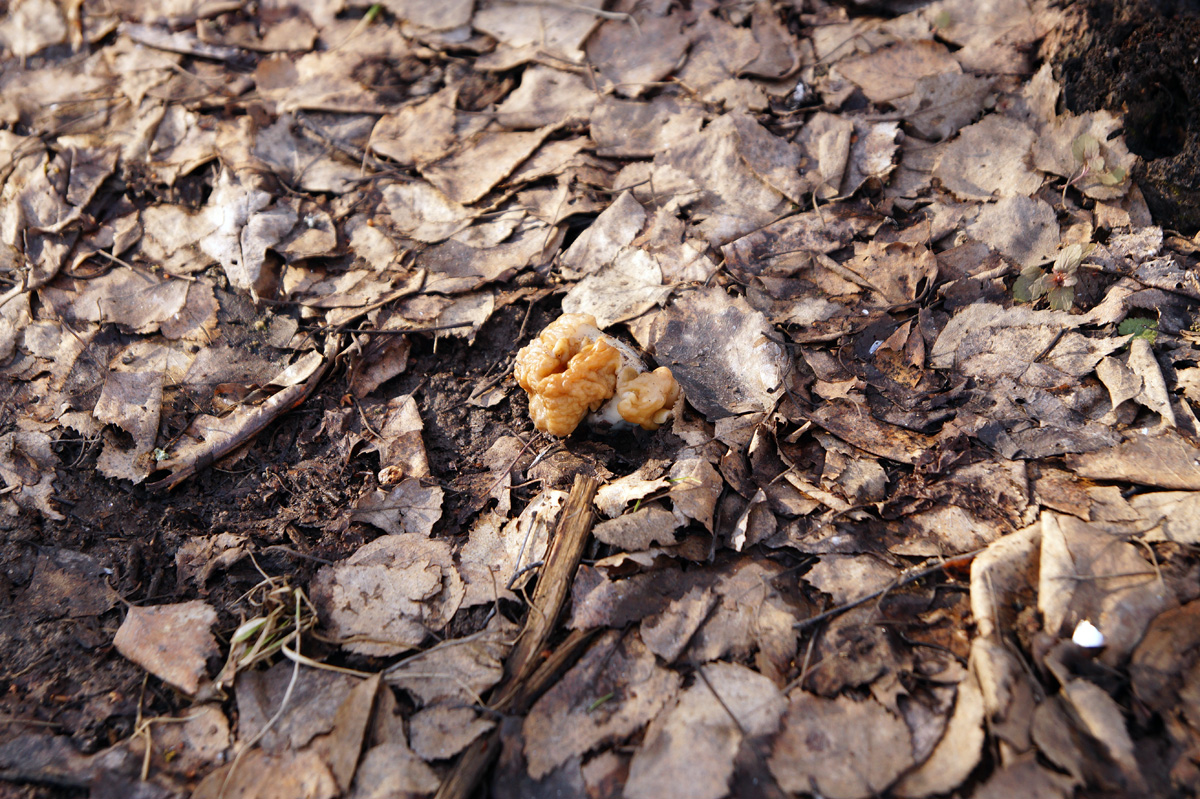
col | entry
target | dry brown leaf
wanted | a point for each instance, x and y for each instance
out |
(638, 530)
(777, 162)
(1055, 152)
(994, 37)
(194, 741)
(131, 401)
(549, 31)
(454, 267)
(855, 425)
(461, 669)
(400, 446)
(891, 73)
(956, 754)
(442, 731)
(418, 134)
(1153, 394)
(1004, 577)
(599, 244)
(1029, 779)
(546, 96)
(392, 769)
(872, 155)
(1100, 717)
(67, 583)
(1168, 516)
(667, 633)
(390, 594)
(268, 776)
(848, 577)
(626, 288)
(1164, 662)
(1165, 461)
(242, 229)
(498, 549)
(441, 16)
(419, 211)
(136, 299)
(842, 748)
(989, 158)
(407, 508)
(31, 26)
(1087, 574)
(940, 105)
(695, 488)
(27, 464)
(342, 746)
(575, 716)
(728, 197)
(784, 248)
(1022, 229)
(303, 160)
(629, 59)
(612, 497)
(720, 351)
(172, 642)
(898, 272)
(483, 162)
(624, 129)
(689, 750)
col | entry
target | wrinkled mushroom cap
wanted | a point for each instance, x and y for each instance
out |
(572, 369)
(567, 373)
(646, 399)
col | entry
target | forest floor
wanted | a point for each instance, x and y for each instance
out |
(277, 522)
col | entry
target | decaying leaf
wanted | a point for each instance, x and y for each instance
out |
(171, 642)
(390, 595)
(406, 508)
(614, 690)
(843, 748)
(744, 372)
(689, 750)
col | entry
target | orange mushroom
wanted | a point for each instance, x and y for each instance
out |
(573, 369)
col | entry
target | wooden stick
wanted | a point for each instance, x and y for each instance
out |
(525, 674)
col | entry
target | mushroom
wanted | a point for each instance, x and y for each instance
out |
(573, 369)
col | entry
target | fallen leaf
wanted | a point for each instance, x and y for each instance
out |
(842, 748)
(721, 352)
(1086, 573)
(442, 731)
(172, 642)
(613, 691)
(67, 583)
(689, 750)
(989, 158)
(408, 508)
(390, 594)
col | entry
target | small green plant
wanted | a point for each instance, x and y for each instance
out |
(1139, 327)
(1086, 150)
(1057, 285)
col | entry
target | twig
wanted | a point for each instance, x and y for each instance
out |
(350, 150)
(899, 582)
(526, 675)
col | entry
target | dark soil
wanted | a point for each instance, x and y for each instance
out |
(1141, 58)
(287, 494)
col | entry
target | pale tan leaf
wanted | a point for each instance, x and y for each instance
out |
(172, 642)
(843, 748)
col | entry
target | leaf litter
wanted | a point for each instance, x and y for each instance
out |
(268, 270)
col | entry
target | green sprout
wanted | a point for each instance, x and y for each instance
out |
(1086, 150)
(1139, 327)
(1057, 285)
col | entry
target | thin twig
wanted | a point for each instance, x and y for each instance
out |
(899, 582)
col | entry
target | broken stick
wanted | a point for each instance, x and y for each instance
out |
(524, 681)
